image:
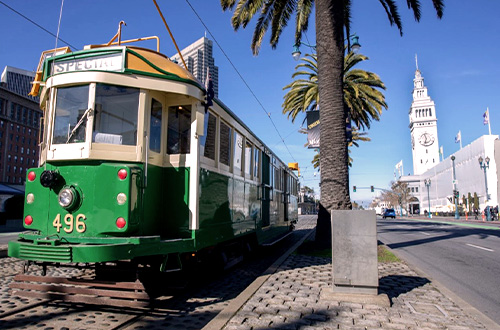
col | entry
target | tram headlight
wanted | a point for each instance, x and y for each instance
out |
(68, 197)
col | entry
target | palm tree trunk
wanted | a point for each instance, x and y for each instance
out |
(333, 151)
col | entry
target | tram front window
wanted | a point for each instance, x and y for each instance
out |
(116, 112)
(72, 110)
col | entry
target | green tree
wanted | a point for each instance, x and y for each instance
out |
(333, 20)
(362, 99)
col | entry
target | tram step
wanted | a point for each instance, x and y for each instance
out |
(109, 293)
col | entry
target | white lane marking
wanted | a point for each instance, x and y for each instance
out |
(423, 232)
(480, 247)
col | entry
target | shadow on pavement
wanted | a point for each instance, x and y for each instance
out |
(395, 285)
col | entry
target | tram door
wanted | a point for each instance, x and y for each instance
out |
(286, 194)
(266, 189)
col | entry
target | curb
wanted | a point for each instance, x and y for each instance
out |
(468, 309)
(235, 305)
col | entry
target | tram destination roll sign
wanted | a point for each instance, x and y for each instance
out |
(109, 62)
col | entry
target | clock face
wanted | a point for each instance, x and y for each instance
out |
(426, 139)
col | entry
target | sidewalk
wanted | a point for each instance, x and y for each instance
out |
(291, 298)
(469, 221)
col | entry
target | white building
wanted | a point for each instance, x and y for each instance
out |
(434, 181)
(198, 57)
(469, 178)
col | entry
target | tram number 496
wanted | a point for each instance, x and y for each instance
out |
(71, 223)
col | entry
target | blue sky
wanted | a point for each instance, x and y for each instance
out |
(456, 55)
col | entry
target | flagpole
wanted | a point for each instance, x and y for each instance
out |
(489, 126)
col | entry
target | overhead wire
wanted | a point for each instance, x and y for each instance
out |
(268, 114)
(36, 24)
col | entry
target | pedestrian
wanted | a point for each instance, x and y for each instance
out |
(476, 213)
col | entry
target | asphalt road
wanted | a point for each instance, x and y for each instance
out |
(464, 259)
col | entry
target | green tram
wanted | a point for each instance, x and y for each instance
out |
(134, 167)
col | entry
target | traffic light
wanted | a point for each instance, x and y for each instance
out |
(354, 188)
(372, 188)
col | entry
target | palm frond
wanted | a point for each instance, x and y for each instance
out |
(415, 6)
(263, 22)
(391, 10)
(439, 6)
(304, 8)
(283, 10)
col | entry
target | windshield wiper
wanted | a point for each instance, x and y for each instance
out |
(86, 114)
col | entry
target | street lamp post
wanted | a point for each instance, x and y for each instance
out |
(428, 184)
(457, 216)
(484, 165)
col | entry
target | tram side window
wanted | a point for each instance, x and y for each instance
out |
(277, 178)
(248, 158)
(207, 141)
(116, 112)
(256, 153)
(71, 114)
(179, 129)
(155, 126)
(238, 152)
(225, 144)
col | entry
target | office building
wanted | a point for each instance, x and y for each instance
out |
(19, 125)
(198, 57)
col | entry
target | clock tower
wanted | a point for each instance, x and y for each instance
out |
(423, 127)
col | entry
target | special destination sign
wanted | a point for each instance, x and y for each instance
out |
(110, 62)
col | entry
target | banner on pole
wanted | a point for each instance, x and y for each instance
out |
(313, 132)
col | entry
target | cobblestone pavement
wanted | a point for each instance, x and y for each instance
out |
(186, 308)
(291, 299)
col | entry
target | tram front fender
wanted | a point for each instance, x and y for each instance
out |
(89, 253)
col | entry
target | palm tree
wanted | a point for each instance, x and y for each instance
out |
(332, 24)
(361, 97)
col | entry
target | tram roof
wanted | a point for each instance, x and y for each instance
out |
(119, 59)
